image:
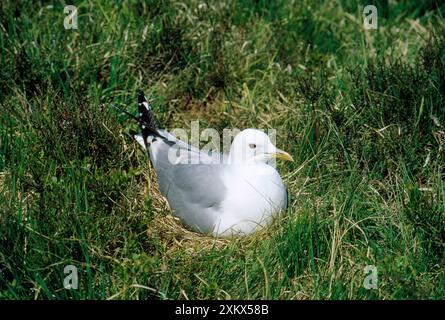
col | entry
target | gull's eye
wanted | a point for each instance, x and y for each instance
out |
(252, 145)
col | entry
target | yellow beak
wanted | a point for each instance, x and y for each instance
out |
(283, 155)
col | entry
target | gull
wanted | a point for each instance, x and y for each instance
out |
(223, 195)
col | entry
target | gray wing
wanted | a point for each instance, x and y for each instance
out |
(190, 154)
(194, 191)
(193, 154)
(200, 184)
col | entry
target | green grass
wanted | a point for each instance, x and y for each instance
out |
(361, 111)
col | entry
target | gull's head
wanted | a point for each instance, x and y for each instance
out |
(253, 146)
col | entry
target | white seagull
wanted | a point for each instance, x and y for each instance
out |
(218, 194)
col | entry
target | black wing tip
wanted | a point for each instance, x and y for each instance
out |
(146, 119)
(141, 97)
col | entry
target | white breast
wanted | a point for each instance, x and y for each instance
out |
(251, 202)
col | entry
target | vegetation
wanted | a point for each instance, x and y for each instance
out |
(361, 111)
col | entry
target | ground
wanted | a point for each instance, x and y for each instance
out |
(361, 111)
